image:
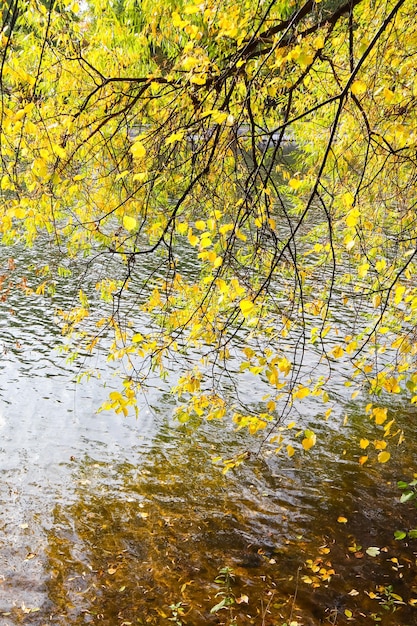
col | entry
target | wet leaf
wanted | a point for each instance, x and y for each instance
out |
(342, 520)
(384, 456)
(243, 598)
(400, 534)
(373, 551)
(407, 496)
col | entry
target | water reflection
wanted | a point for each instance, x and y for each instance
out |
(110, 520)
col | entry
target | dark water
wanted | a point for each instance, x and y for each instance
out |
(115, 520)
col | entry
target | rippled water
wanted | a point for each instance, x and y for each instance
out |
(112, 520)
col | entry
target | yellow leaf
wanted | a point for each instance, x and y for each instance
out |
(384, 456)
(363, 270)
(129, 223)
(342, 520)
(391, 385)
(399, 292)
(363, 459)
(246, 306)
(348, 199)
(358, 87)
(179, 136)
(380, 265)
(302, 392)
(318, 43)
(295, 183)
(364, 443)
(338, 352)
(290, 450)
(380, 415)
(138, 149)
(177, 21)
(309, 441)
(352, 218)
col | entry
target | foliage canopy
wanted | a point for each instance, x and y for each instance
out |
(242, 176)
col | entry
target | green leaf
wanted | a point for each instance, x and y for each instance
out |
(412, 533)
(221, 605)
(400, 534)
(402, 484)
(409, 495)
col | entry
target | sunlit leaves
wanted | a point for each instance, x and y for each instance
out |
(157, 147)
(358, 87)
(384, 456)
(129, 222)
(138, 149)
(309, 440)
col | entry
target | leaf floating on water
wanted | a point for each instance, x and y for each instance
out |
(383, 457)
(342, 520)
(353, 592)
(243, 598)
(373, 551)
(400, 534)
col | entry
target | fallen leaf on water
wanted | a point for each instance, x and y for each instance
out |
(373, 551)
(243, 598)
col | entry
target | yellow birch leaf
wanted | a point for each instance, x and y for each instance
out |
(129, 223)
(352, 218)
(358, 87)
(302, 392)
(391, 385)
(399, 292)
(295, 183)
(338, 352)
(364, 443)
(363, 270)
(138, 150)
(380, 415)
(290, 450)
(383, 457)
(309, 440)
(179, 136)
(246, 306)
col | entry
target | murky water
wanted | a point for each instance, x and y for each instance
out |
(117, 521)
